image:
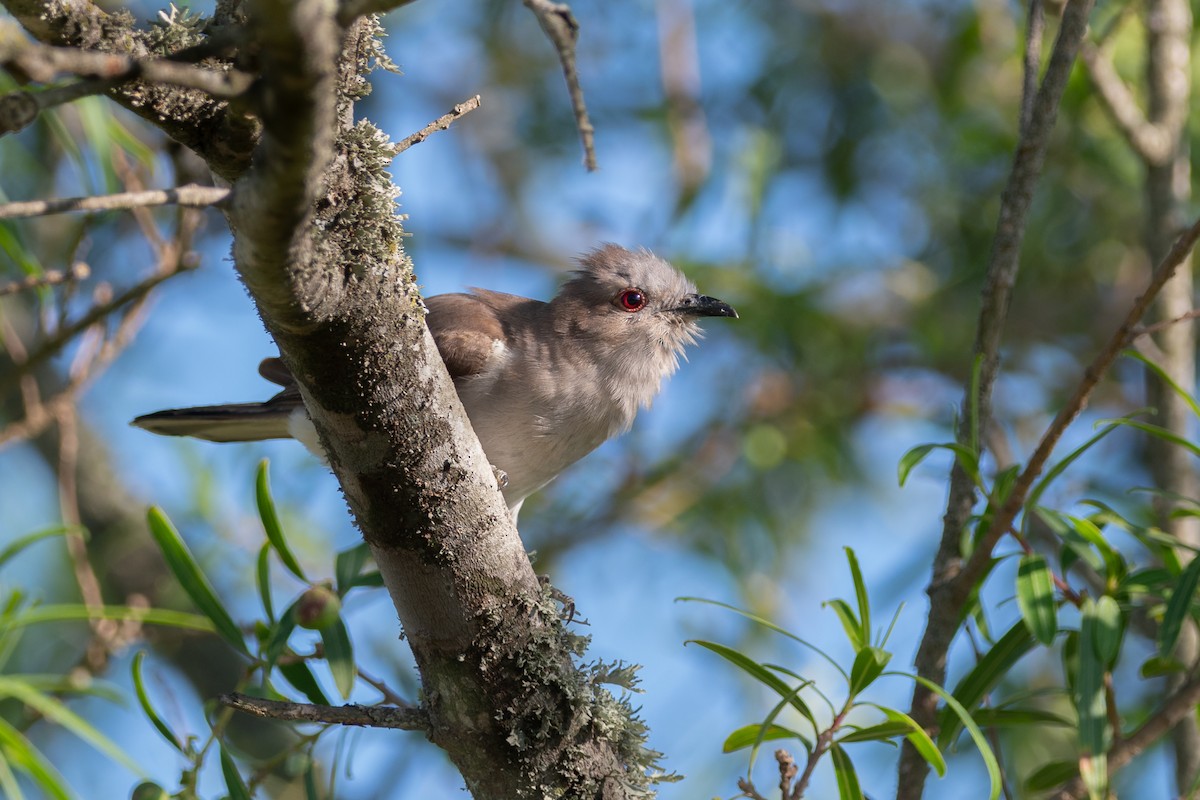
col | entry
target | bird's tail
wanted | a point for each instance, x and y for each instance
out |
(233, 422)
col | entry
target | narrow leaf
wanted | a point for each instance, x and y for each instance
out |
(965, 457)
(749, 735)
(1177, 608)
(847, 778)
(1035, 598)
(868, 665)
(340, 655)
(917, 737)
(302, 680)
(1165, 378)
(860, 594)
(191, 578)
(981, 743)
(759, 673)
(18, 750)
(233, 780)
(19, 544)
(1108, 631)
(1090, 706)
(348, 566)
(263, 579)
(875, 733)
(1048, 776)
(270, 521)
(993, 666)
(849, 622)
(56, 711)
(1158, 666)
(143, 698)
(1018, 717)
(1057, 469)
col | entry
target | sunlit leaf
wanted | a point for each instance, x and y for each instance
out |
(1165, 377)
(759, 673)
(964, 717)
(262, 577)
(749, 735)
(75, 612)
(916, 736)
(1019, 717)
(850, 624)
(1090, 704)
(1035, 495)
(1108, 631)
(1035, 598)
(191, 578)
(23, 755)
(860, 594)
(1158, 666)
(868, 665)
(967, 459)
(349, 564)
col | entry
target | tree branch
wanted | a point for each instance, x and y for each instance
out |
(1001, 277)
(408, 719)
(440, 124)
(562, 29)
(77, 272)
(191, 196)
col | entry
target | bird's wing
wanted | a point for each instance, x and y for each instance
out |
(467, 328)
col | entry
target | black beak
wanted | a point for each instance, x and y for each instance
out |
(704, 306)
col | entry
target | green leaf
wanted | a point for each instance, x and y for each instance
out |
(849, 622)
(1035, 598)
(280, 633)
(1158, 666)
(1090, 705)
(1165, 378)
(1158, 432)
(191, 578)
(770, 626)
(1049, 776)
(963, 454)
(1071, 458)
(348, 566)
(263, 579)
(916, 736)
(981, 743)
(1109, 630)
(1018, 717)
(993, 666)
(19, 544)
(1178, 608)
(881, 732)
(302, 680)
(340, 656)
(233, 780)
(18, 750)
(759, 673)
(75, 612)
(860, 594)
(143, 698)
(868, 665)
(8, 781)
(750, 735)
(56, 712)
(270, 521)
(847, 778)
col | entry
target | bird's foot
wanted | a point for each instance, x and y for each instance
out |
(567, 614)
(501, 477)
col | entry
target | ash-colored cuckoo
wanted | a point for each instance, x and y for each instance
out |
(543, 384)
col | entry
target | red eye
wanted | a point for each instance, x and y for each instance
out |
(632, 300)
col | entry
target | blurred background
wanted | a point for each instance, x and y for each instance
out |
(830, 168)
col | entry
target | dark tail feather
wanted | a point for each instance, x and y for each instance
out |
(235, 422)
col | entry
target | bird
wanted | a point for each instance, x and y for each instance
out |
(543, 383)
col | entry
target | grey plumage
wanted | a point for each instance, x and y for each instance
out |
(543, 384)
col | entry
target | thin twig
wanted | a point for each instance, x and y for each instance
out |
(389, 695)
(53, 277)
(978, 563)
(43, 62)
(409, 719)
(1154, 143)
(350, 10)
(440, 124)
(191, 195)
(1146, 330)
(19, 109)
(562, 29)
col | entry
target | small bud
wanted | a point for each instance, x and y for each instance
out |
(319, 607)
(149, 790)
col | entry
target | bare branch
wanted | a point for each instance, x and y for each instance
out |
(43, 62)
(562, 28)
(408, 719)
(191, 195)
(1035, 26)
(440, 124)
(77, 272)
(1154, 143)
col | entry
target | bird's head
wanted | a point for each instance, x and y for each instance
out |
(634, 310)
